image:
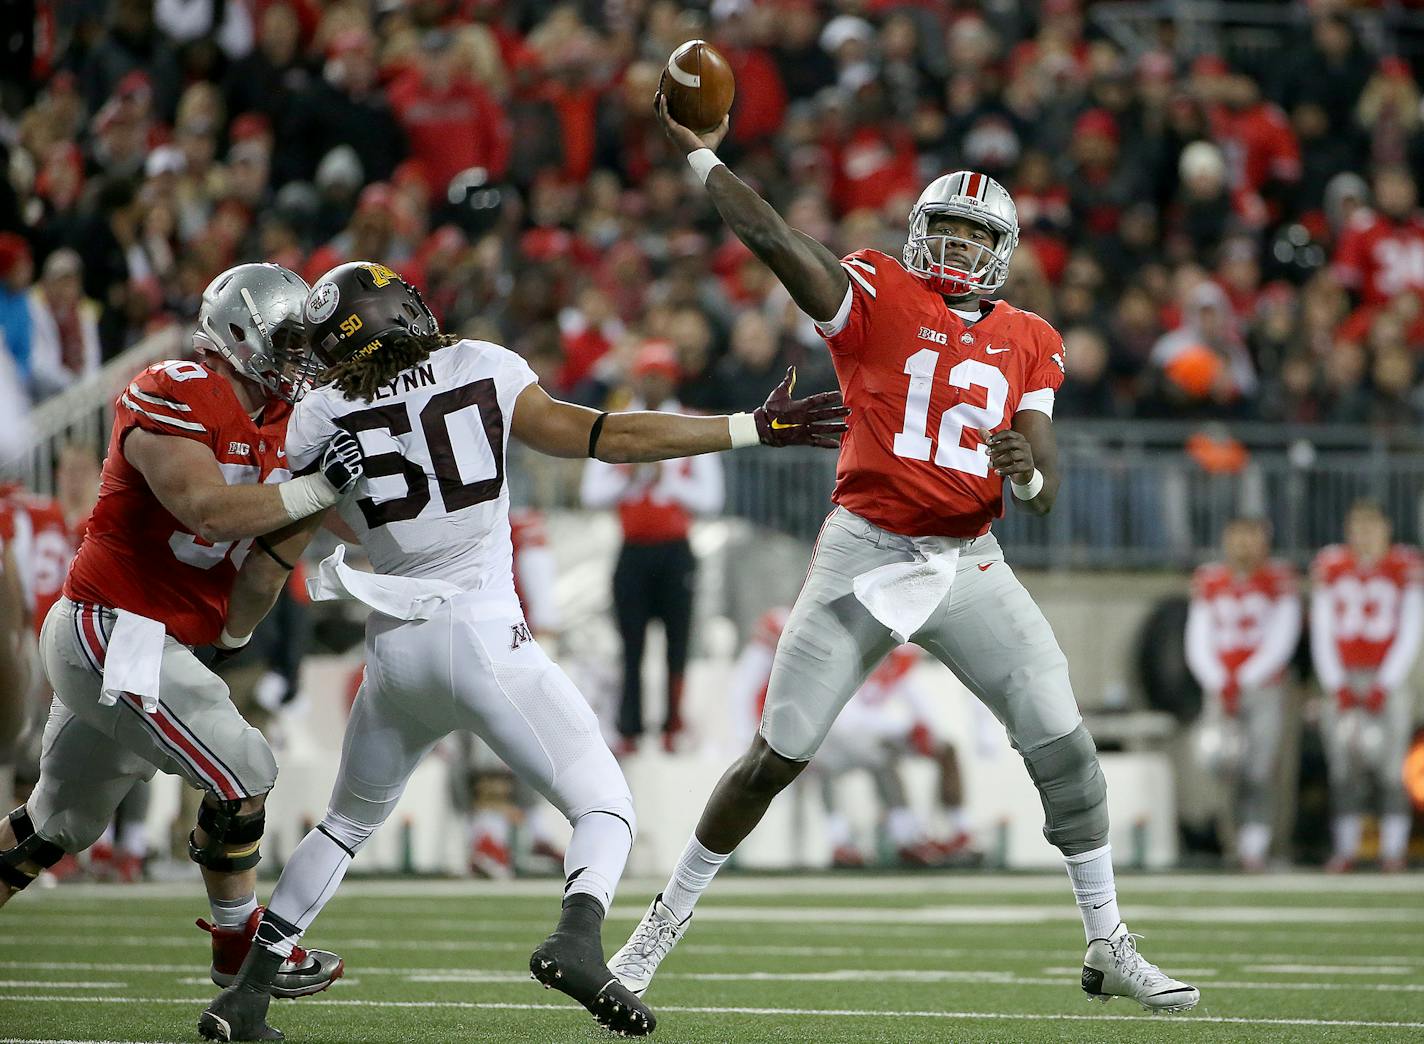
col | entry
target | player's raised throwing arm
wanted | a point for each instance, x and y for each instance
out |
(811, 273)
(562, 429)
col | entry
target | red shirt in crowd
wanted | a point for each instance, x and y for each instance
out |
(452, 128)
(1380, 258)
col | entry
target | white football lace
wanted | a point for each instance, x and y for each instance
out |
(1133, 964)
(651, 941)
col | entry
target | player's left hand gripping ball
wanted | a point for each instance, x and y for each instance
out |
(341, 462)
(1010, 454)
(817, 420)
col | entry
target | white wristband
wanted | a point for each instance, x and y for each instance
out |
(227, 641)
(1029, 489)
(703, 161)
(307, 495)
(742, 427)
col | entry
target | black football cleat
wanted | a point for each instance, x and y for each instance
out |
(238, 1014)
(574, 965)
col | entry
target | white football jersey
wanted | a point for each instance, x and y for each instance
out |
(433, 502)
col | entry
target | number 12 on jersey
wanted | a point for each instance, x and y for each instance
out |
(913, 442)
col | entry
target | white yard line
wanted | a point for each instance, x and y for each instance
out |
(46, 984)
(997, 1016)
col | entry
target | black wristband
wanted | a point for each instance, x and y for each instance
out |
(262, 543)
(594, 432)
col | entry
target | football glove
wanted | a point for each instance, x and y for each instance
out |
(341, 462)
(813, 421)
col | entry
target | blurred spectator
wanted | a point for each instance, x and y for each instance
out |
(1203, 365)
(655, 575)
(346, 107)
(65, 326)
(17, 272)
(1381, 252)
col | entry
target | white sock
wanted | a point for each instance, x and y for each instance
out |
(312, 876)
(232, 913)
(903, 826)
(597, 853)
(1091, 875)
(1394, 835)
(1346, 830)
(690, 878)
(133, 839)
(1253, 840)
(837, 829)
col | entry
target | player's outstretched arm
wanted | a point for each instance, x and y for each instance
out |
(185, 477)
(811, 273)
(562, 429)
(1017, 453)
(263, 575)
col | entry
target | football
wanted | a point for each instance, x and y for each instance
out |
(698, 85)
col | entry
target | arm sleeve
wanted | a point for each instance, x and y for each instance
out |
(1282, 634)
(699, 487)
(603, 484)
(1405, 647)
(1324, 653)
(1202, 660)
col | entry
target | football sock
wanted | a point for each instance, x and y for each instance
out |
(1346, 830)
(1394, 836)
(1252, 842)
(694, 872)
(311, 877)
(903, 827)
(232, 913)
(1091, 875)
(597, 853)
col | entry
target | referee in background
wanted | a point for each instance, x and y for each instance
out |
(656, 568)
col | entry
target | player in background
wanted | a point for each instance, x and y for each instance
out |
(497, 799)
(885, 722)
(950, 394)
(1242, 630)
(447, 645)
(195, 471)
(1366, 616)
(14, 662)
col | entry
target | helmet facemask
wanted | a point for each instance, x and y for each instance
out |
(987, 267)
(268, 347)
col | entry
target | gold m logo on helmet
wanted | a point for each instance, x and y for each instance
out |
(381, 275)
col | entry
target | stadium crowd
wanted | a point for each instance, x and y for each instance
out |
(1215, 239)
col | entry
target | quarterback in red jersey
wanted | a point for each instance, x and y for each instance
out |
(950, 393)
(194, 472)
(1242, 630)
(1366, 620)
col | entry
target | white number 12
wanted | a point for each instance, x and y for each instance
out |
(913, 442)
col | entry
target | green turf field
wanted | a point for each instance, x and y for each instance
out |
(863, 958)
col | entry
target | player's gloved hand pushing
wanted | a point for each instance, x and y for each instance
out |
(341, 462)
(816, 420)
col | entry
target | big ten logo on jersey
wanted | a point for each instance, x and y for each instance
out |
(936, 336)
(239, 449)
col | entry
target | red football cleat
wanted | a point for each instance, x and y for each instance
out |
(304, 973)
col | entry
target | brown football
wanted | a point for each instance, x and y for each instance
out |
(698, 85)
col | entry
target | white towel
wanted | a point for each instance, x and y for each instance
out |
(401, 597)
(902, 595)
(133, 661)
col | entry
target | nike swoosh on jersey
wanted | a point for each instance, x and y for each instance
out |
(996, 351)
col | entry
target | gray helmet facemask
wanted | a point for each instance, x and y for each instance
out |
(252, 316)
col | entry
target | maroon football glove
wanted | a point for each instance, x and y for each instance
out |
(813, 421)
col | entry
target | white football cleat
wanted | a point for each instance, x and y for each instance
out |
(1114, 968)
(657, 933)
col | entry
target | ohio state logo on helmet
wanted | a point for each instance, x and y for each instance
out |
(975, 197)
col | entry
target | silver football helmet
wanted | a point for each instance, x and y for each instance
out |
(976, 197)
(252, 316)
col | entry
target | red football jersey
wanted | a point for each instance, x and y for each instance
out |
(137, 556)
(920, 382)
(43, 550)
(1381, 258)
(1365, 600)
(1241, 606)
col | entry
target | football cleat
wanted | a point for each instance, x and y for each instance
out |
(574, 966)
(490, 859)
(1114, 968)
(302, 974)
(657, 933)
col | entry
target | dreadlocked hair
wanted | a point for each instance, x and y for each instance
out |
(369, 367)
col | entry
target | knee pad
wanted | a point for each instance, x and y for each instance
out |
(1074, 795)
(29, 848)
(233, 838)
(345, 832)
